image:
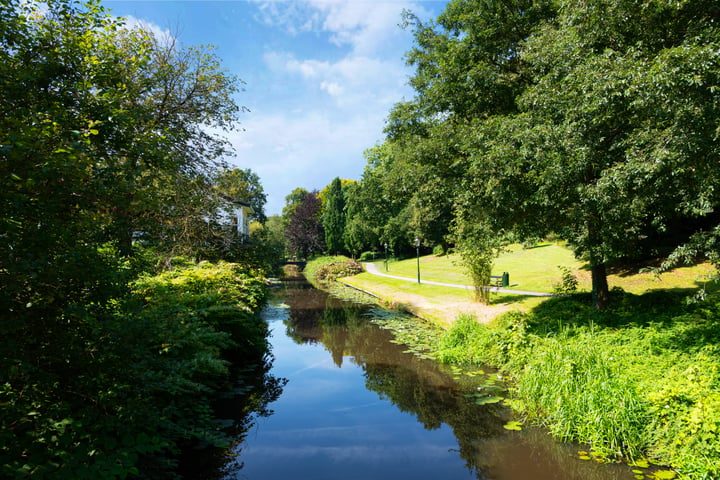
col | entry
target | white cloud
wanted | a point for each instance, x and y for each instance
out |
(294, 17)
(332, 88)
(306, 150)
(368, 27)
(163, 35)
(330, 107)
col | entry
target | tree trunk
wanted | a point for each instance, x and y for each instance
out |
(600, 290)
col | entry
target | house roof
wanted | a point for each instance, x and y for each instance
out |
(235, 201)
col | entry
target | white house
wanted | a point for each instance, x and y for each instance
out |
(237, 215)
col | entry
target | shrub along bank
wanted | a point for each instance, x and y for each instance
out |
(641, 380)
(137, 383)
(330, 268)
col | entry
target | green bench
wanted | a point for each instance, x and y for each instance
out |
(500, 280)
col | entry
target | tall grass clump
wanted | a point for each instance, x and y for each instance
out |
(580, 393)
(464, 343)
(641, 380)
(472, 343)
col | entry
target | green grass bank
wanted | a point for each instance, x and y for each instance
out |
(639, 382)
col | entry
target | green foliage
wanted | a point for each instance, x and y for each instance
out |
(590, 120)
(569, 385)
(129, 383)
(327, 269)
(468, 342)
(333, 217)
(464, 342)
(105, 133)
(640, 380)
(478, 246)
(292, 201)
(568, 283)
(244, 185)
(223, 296)
(369, 256)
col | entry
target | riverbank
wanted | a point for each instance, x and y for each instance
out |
(639, 382)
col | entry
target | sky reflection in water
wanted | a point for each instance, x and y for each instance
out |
(357, 407)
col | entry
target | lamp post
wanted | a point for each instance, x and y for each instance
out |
(417, 248)
(386, 259)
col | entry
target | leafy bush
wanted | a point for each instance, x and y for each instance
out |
(568, 283)
(137, 380)
(335, 270)
(368, 256)
(327, 269)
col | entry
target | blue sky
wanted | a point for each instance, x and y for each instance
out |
(320, 77)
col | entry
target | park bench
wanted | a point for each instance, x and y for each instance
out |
(500, 280)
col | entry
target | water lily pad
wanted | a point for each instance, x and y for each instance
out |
(513, 425)
(641, 463)
(639, 477)
(665, 474)
(585, 457)
(488, 399)
(491, 388)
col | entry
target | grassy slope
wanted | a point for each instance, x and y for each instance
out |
(534, 269)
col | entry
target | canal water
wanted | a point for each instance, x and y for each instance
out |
(355, 405)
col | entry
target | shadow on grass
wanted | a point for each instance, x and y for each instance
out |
(533, 247)
(508, 298)
(683, 325)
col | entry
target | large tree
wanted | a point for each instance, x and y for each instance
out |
(292, 201)
(596, 120)
(333, 217)
(104, 133)
(304, 232)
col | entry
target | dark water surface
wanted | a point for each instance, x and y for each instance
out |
(356, 406)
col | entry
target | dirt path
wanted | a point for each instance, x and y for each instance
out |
(443, 310)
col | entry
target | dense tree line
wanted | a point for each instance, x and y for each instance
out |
(594, 121)
(108, 166)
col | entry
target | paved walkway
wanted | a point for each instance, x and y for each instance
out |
(372, 269)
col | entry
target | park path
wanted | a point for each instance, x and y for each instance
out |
(373, 270)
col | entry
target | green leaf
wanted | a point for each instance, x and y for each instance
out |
(488, 400)
(513, 425)
(665, 474)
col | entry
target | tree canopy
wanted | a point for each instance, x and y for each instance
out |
(244, 185)
(595, 121)
(333, 217)
(304, 232)
(105, 137)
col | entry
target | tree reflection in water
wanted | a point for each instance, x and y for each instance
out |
(432, 394)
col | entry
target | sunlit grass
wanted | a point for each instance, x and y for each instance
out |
(533, 269)
(537, 270)
(437, 303)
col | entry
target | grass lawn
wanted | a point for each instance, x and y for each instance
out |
(533, 269)
(537, 270)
